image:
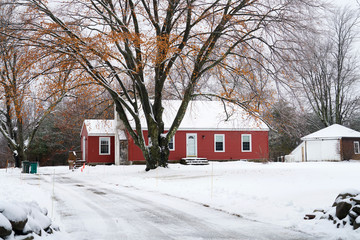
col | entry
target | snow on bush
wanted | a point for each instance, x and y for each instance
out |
(13, 212)
(5, 226)
(345, 210)
(23, 218)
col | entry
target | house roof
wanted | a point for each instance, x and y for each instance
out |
(209, 115)
(96, 127)
(200, 115)
(334, 131)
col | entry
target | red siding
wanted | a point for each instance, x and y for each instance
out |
(206, 148)
(348, 151)
(92, 155)
(93, 148)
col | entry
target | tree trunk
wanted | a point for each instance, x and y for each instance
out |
(164, 158)
(158, 153)
(17, 160)
(150, 159)
(19, 157)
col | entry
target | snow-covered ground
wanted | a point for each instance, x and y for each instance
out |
(278, 194)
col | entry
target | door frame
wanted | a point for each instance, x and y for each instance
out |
(195, 142)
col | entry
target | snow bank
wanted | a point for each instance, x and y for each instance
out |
(344, 211)
(276, 193)
(34, 207)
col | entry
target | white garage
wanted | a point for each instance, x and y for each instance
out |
(334, 143)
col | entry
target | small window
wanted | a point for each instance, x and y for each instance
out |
(104, 145)
(172, 144)
(219, 142)
(356, 148)
(246, 142)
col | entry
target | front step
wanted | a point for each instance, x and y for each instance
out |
(194, 161)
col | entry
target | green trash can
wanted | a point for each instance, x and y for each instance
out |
(33, 167)
(25, 166)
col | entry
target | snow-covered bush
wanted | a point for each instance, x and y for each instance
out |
(345, 211)
(24, 218)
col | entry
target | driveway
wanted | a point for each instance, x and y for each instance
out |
(90, 210)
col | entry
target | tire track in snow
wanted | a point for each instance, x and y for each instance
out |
(142, 219)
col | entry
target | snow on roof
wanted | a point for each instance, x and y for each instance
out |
(334, 131)
(209, 115)
(200, 115)
(96, 127)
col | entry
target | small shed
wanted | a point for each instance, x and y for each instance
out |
(334, 143)
(97, 141)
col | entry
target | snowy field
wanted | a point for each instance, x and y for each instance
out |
(277, 194)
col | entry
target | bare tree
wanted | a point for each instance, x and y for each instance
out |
(144, 43)
(59, 133)
(32, 83)
(328, 70)
(247, 82)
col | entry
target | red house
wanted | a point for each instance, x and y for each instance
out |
(206, 132)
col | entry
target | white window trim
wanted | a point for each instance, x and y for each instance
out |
(173, 139)
(104, 138)
(357, 142)
(242, 145)
(223, 137)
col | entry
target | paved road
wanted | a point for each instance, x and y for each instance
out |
(90, 212)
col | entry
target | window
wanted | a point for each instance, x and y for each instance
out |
(172, 144)
(246, 142)
(356, 147)
(104, 143)
(219, 142)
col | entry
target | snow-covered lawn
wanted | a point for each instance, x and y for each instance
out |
(277, 193)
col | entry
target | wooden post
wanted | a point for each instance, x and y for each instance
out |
(53, 196)
(212, 179)
(302, 154)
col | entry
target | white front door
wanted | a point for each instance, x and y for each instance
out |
(191, 145)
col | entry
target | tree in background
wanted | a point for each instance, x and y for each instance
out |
(288, 126)
(32, 82)
(6, 157)
(247, 83)
(320, 85)
(60, 131)
(327, 70)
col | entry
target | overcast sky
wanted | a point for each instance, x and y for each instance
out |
(344, 2)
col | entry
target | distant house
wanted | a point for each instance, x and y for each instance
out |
(98, 141)
(334, 143)
(206, 132)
